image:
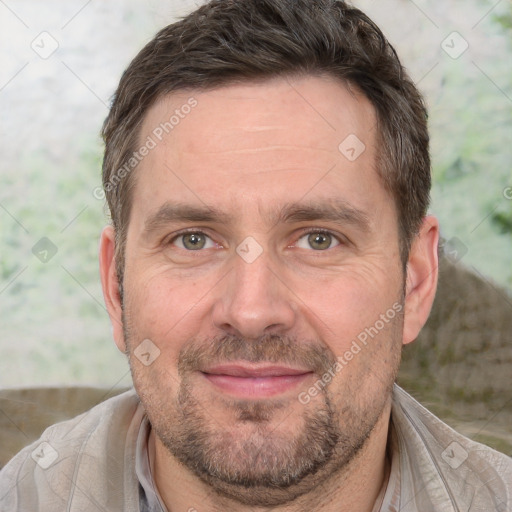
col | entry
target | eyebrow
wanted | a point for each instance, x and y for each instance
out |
(178, 212)
(335, 210)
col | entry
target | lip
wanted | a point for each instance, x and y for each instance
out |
(255, 381)
(244, 370)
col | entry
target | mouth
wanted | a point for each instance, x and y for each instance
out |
(255, 381)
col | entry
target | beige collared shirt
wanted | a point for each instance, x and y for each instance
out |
(89, 463)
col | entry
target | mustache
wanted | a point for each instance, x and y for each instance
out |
(269, 348)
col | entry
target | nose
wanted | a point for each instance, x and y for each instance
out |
(254, 300)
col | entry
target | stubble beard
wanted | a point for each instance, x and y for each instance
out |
(261, 466)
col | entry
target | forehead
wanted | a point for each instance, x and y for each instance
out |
(268, 142)
(325, 107)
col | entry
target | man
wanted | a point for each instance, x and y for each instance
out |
(268, 176)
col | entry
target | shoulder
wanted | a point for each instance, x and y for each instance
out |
(441, 466)
(89, 457)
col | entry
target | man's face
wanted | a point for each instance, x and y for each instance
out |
(258, 252)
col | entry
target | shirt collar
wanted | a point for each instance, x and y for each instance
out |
(150, 499)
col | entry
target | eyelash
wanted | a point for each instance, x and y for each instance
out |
(323, 232)
(308, 231)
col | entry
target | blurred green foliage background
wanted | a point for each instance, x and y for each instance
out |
(54, 327)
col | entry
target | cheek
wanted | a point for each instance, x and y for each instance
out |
(358, 316)
(160, 297)
(162, 310)
(342, 306)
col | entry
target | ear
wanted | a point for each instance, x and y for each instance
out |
(421, 281)
(110, 285)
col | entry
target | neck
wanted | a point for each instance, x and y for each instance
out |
(353, 488)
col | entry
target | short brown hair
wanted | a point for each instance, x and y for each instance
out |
(228, 41)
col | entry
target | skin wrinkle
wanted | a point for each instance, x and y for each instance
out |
(259, 149)
(263, 128)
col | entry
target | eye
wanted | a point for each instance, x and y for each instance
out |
(318, 240)
(193, 241)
